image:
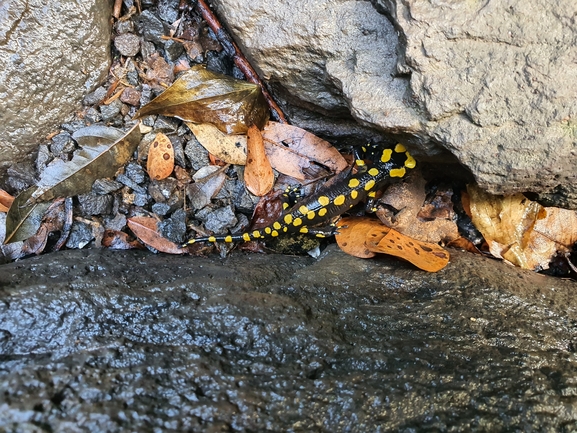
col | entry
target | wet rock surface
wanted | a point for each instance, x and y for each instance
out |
(491, 83)
(106, 340)
(51, 55)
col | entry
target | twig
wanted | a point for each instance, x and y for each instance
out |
(240, 61)
(117, 9)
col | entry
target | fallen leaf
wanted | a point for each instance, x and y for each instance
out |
(160, 157)
(258, 174)
(146, 230)
(207, 183)
(117, 240)
(352, 234)
(424, 255)
(290, 150)
(404, 202)
(522, 231)
(22, 219)
(94, 161)
(5, 201)
(203, 96)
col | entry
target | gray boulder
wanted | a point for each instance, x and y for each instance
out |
(51, 55)
(492, 83)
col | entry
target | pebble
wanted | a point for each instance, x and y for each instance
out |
(197, 155)
(95, 204)
(174, 228)
(62, 143)
(162, 190)
(127, 44)
(80, 235)
(167, 10)
(166, 124)
(218, 220)
(95, 97)
(92, 115)
(105, 186)
(135, 172)
(44, 156)
(130, 96)
(173, 50)
(150, 26)
(126, 181)
(111, 110)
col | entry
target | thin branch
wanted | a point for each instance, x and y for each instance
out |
(239, 60)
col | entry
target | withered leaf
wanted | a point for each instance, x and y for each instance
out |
(5, 201)
(352, 234)
(203, 96)
(290, 150)
(146, 230)
(22, 219)
(522, 231)
(96, 160)
(258, 174)
(160, 161)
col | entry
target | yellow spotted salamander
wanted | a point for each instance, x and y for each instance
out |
(383, 164)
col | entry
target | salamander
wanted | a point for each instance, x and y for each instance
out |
(383, 165)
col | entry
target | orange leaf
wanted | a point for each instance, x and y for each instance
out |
(160, 157)
(352, 234)
(147, 231)
(258, 174)
(427, 256)
(5, 201)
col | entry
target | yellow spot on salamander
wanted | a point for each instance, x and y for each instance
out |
(285, 206)
(228, 239)
(285, 229)
(360, 162)
(288, 218)
(353, 183)
(267, 230)
(386, 155)
(354, 194)
(211, 239)
(274, 233)
(303, 209)
(374, 171)
(246, 237)
(304, 230)
(339, 200)
(276, 225)
(397, 172)
(410, 161)
(369, 185)
(323, 211)
(311, 215)
(372, 194)
(297, 222)
(256, 234)
(320, 235)
(324, 200)
(399, 148)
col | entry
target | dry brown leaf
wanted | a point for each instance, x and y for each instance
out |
(258, 174)
(290, 150)
(424, 255)
(521, 231)
(117, 240)
(5, 201)
(160, 161)
(407, 198)
(146, 230)
(352, 234)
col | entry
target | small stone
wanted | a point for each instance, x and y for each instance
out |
(126, 181)
(135, 172)
(92, 115)
(43, 157)
(168, 10)
(95, 204)
(174, 228)
(105, 186)
(218, 220)
(127, 44)
(62, 143)
(147, 49)
(150, 26)
(95, 97)
(80, 235)
(144, 145)
(162, 190)
(196, 154)
(161, 209)
(141, 199)
(173, 50)
(178, 151)
(21, 175)
(145, 96)
(122, 27)
(130, 96)
(72, 127)
(132, 78)
(166, 124)
(116, 223)
(110, 110)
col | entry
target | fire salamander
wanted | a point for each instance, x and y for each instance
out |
(383, 164)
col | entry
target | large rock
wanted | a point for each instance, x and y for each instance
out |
(103, 340)
(491, 82)
(51, 54)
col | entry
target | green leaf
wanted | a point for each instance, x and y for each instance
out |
(97, 159)
(202, 96)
